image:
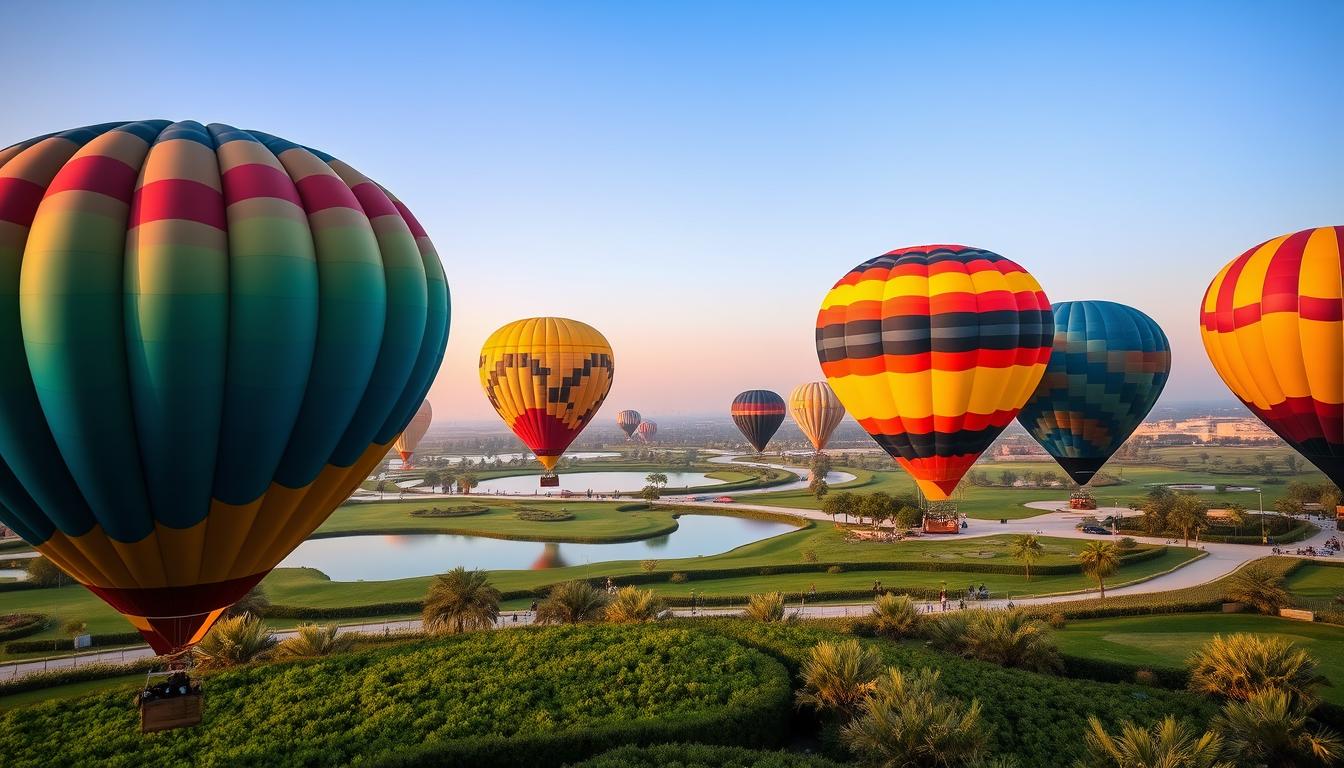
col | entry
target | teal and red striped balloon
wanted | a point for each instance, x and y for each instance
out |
(208, 336)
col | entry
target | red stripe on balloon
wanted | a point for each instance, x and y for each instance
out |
(320, 192)
(414, 224)
(19, 199)
(942, 361)
(179, 200)
(375, 202)
(254, 180)
(96, 173)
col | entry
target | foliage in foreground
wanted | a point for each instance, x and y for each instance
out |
(703, 756)
(232, 642)
(460, 601)
(766, 608)
(311, 641)
(1006, 638)
(1168, 744)
(908, 721)
(896, 616)
(1269, 729)
(572, 602)
(522, 697)
(631, 605)
(1260, 588)
(838, 677)
(1241, 665)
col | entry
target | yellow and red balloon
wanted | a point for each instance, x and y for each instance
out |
(410, 438)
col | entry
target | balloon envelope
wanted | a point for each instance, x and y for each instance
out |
(648, 430)
(1107, 368)
(546, 377)
(208, 338)
(817, 410)
(628, 421)
(933, 350)
(410, 438)
(758, 414)
(1271, 324)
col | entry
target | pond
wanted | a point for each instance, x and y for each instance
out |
(1201, 487)
(378, 558)
(478, 458)
(597, 482)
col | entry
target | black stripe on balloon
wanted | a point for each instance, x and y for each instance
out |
(759, 428)
(928, 445)
(953, 332)
(935, 256)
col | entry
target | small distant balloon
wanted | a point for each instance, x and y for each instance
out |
(817, 410)
(628, 421)
(410, 438)
(758, 414)
(648, 430)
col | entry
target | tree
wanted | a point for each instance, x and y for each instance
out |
(1293, 462)
(837, 677)
(908, 517)
(460, 601)
(1007, 477)
(876, 507)
(44, 573)
(908, 722)
(1099, 560)
(841, 503)
(656, 479)
(632, 605)
(382, 489)
(1288, 506)
(233, 642)
(311, 640)
(896, 616)
(466, 481)
(819, 489)
(572, 602)
(1012, 639)
(1259, 588)
(255, 603)
(1188, 513)
(1241, 665)
(1268, 729)
(1157, 505)
(1027, 549)
(1168, 744)
(650, 493)
(1236, 517)
(433, 479)
(767, 608)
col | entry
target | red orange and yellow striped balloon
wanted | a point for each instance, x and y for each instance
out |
(933, 350)
(1272, 321)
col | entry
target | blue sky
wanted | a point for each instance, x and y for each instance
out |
(691, 178)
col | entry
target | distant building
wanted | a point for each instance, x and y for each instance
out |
(1206, 429)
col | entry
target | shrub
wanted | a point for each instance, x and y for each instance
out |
(908, 721)
(233, 642)
(837, 677)
(1011, 639)
(1127, 544)
(254, 603)
(44, 573)
(16, 625)
(678, 578)
(465, 510)
(768, 607)
(648, 566)
(834, 569)
(1268, 729)
(1259, 588)
(896, 616)
(1145, 677)
(809, 555)
(572, 602)
(311, 641)
(460, 601)
(631, 605)
(1057, 621)
(1169, 743)
(534, 515)
(948, 632)
(702, 756)
(1241, 665)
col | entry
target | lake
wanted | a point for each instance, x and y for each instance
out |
(378, 558)
(597, 482)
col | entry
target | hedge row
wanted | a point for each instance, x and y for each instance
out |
(51, 644)
(16, 625)
(18, 586)
(534, 515)
(641, 506)
(468, 510)
(703, 756)
(68, 675)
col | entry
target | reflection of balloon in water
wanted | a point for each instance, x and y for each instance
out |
(208, 338)
(817, 410)
(546, 376)
(628, 421)
(758, 414)
(648, 430)
(550, 557)
(1107, 368)
(1271, 323)
(933, 350)
(410, 437)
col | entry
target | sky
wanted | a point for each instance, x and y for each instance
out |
(691, 178)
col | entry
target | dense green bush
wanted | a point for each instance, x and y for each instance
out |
(80, 674)
(532, 514)
(526, 697)
(16, 625)
(639, 507)
(18, 586)
(703, 756)
(467, 510)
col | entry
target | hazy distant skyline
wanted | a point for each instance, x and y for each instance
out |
(691, 178)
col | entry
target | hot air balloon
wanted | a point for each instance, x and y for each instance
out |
(758, 413)
(648, 430)
(208, 338)
(546, 376)
(933, 350)
(1271, 323)
(817, 410)
(1107, 368)
(409, 440)
(628, 421)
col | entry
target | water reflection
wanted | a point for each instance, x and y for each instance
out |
(597, 482)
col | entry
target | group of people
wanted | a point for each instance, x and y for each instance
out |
(1330, 547)
(177, 684)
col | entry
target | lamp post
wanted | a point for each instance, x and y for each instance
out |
(1261, 493)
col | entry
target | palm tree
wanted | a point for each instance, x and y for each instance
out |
(1239, 666)
(1098, 559)
(768, 608)
(838, 677)
(1168, 744)
(1259, 588)
(1188, 513)
(896, 616)
(572, 602)
(1267, 729)
(312, 640)
(459, 601)
(1012, 639)
(232, 642)
(254, 603)
(632, 605)
(908, 722)
(1027, 549)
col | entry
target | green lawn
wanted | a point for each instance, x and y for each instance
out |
(593, 520)
(1167, 641)
(131, 683)
(1315, 582)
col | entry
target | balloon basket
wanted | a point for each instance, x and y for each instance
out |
(550, 481)
(171, 699)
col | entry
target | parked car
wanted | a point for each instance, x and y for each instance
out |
(724, 500)
(1096, 530)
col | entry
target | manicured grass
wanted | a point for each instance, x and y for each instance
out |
(594, 521)
(130, 683)
(1168, 641)
(1316, 582)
